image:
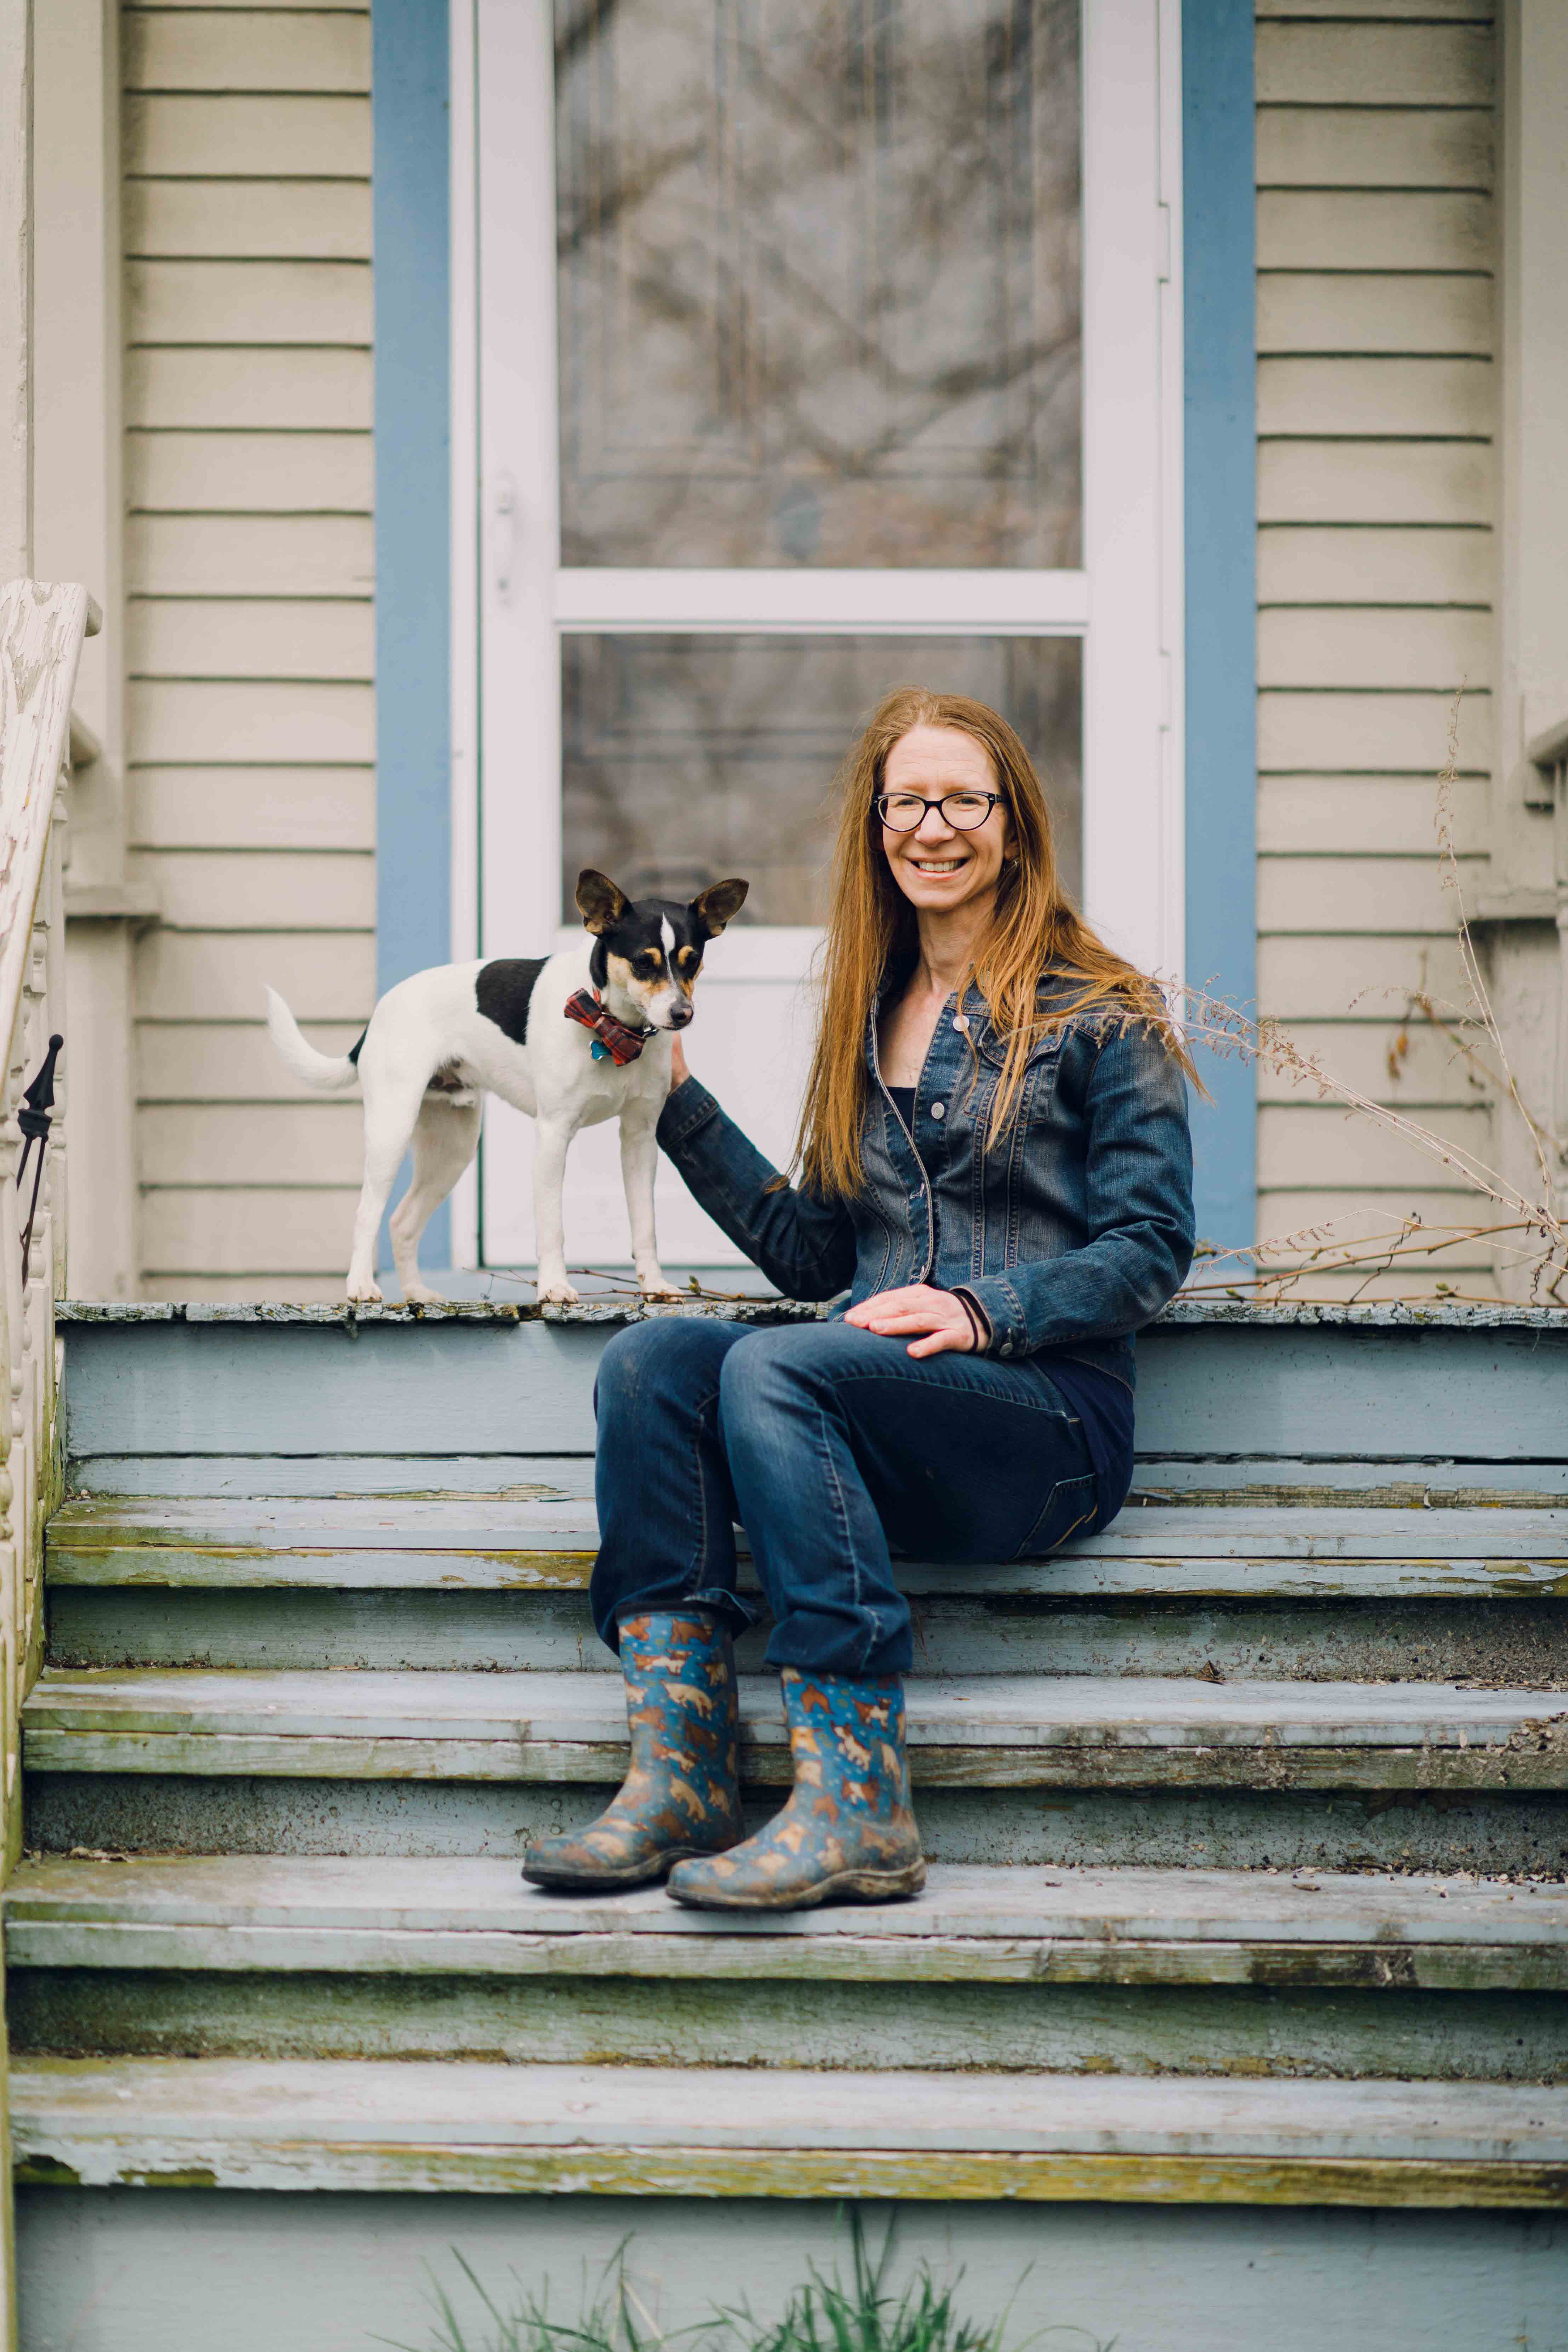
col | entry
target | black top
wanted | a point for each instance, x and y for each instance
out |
(1103, 1403)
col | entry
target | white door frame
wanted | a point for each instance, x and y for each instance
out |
(511, 602)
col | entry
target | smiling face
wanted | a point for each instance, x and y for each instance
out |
(649, 953)
(938, 867)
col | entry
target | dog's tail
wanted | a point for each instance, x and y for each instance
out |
(326, 1072)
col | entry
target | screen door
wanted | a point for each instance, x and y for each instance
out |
(788, 391)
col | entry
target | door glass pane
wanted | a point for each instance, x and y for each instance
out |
(819, 282)
(690, 758)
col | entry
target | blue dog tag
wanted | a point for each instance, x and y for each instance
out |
(600, 1051)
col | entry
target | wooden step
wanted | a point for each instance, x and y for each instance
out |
(491, 1545)
(669, 2131)
(986, 1730)
(973, 1925)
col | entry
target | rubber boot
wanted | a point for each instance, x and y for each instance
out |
(682, 1794)
(847, 1832)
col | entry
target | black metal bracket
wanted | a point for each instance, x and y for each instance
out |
(34, 1119)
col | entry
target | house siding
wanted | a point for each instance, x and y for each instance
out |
(251, 625)
(1376, 503)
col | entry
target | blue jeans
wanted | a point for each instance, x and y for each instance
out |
(831, 1446)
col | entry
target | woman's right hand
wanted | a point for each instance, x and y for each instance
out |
(678, 1073)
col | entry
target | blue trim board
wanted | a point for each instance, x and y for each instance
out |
(411, 116)
(1219, 204)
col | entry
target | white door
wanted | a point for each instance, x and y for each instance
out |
(810, 350)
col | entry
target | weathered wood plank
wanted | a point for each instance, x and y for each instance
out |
(1385, 147)
(268, 637)
(280, 2122)
(250, 555)
(261, 220)
(1375, 974)
(1478, 1394)
(992, 1731)
(248, 302)
(476, 1916)
(1360, 1055)
(274, 388)
(254, 808)
(199, 136)
(1332, 312)
(208, 720)
(1347, 64)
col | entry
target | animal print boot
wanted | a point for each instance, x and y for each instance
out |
(847, 1831)
(682, 1794)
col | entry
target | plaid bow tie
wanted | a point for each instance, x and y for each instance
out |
(613, 1041)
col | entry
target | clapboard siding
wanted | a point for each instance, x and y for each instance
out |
(256, 49)
(202, 1231)
(1346, 63)
(265, 220)
(1357, 147)
(208, 720)
(220, 976)
(1370, 734)
(219, 137)
(212, 301)
(274, 389)
(256, 808)
(248, 320)
(1379, 815)
(249, 473)
(252, 637)
(250, 1143)
(263, 890)
(1375, 311)
(1403, 897)
(1449, 398)
(1303, 563)
(1377, 496)
(251, 555)
(228, 1061)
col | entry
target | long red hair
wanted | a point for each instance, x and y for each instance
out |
(871, 927)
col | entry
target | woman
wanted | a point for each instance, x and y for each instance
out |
(996, 1163)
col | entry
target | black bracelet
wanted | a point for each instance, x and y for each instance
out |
(975, 1325)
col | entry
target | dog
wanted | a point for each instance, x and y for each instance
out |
(571, 1039)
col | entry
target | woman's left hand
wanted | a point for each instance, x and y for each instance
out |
(918, 1307)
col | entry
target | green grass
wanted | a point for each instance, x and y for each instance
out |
(827, 2314)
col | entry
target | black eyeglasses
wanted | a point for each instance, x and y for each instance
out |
(902, 812)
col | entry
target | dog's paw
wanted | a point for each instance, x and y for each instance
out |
(414, 1293)
(656, 1283)
(558, 1294)
(364, 1293)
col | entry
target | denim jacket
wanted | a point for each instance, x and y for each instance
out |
(1071, 1234)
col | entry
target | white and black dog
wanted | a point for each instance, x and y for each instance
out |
(529, 1030)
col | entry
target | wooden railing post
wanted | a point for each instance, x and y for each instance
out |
(41, 632)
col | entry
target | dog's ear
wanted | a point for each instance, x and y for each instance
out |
(599, 902)
(719, 905)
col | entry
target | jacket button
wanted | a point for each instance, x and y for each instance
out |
(938, 1111)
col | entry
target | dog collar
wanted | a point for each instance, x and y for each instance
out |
(613, 1041)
